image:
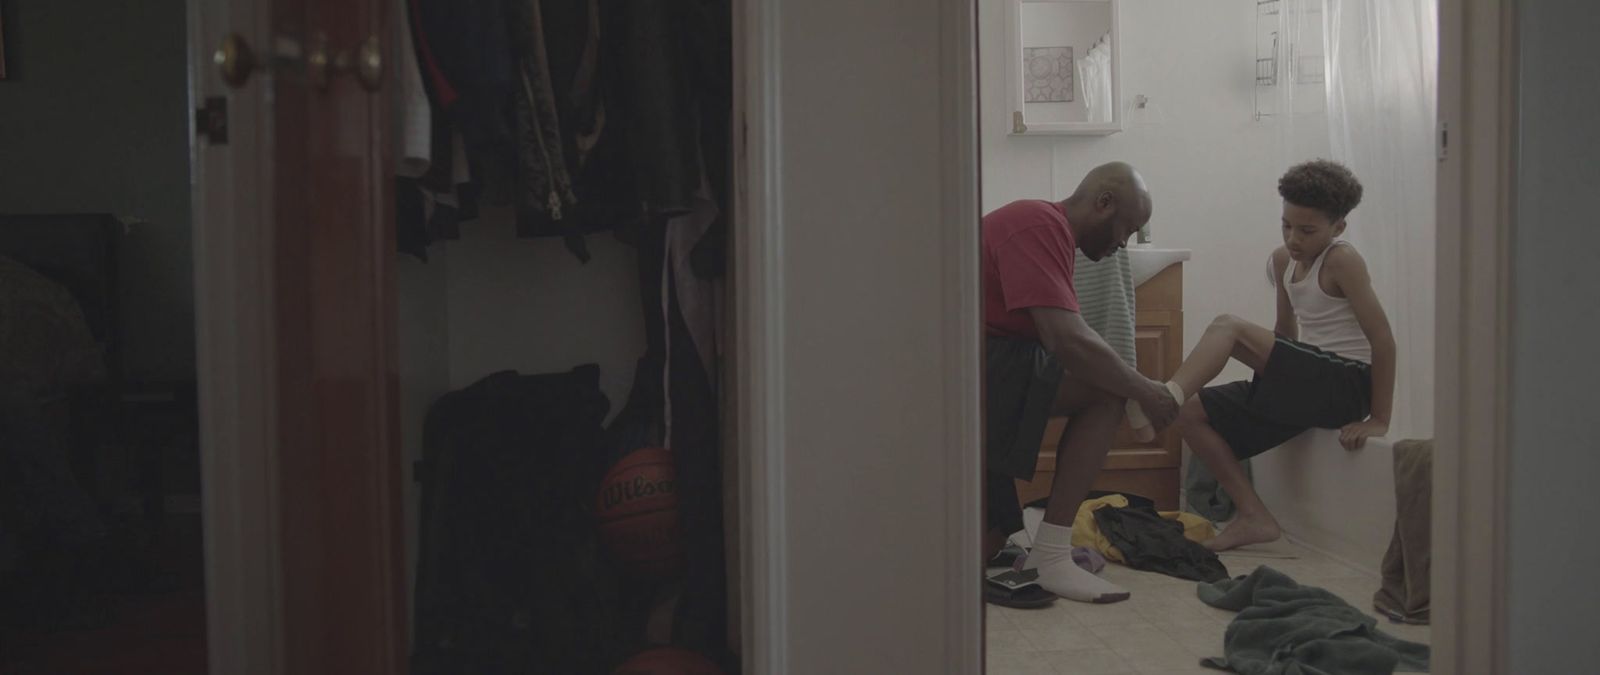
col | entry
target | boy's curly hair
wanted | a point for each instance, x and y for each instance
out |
(1323, 185)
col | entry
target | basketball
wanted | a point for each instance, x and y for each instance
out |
(668, 661)
(638, 514)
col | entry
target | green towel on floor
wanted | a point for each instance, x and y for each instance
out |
(1284, 628)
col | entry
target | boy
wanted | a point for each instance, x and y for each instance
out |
(1331, 363)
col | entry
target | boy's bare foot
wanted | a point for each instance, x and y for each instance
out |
(1246, 531)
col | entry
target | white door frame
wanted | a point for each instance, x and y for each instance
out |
(761, 268)
(1477, 110)
(232, 202)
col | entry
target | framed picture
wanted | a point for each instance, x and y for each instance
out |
(1049, 74)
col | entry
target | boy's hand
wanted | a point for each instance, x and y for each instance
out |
(1354, 435)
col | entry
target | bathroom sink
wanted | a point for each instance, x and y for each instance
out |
(1148, 262)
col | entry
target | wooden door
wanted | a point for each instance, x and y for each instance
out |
(294, 247)
(339, 464)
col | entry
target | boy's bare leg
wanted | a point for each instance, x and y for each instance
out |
(1253, 524)
(1227, 336)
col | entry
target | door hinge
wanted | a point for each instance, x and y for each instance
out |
(211, 120)
(1444, 140)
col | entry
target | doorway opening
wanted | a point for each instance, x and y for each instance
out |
(1221, 148)
(101, 562)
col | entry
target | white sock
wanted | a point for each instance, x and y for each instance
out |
(1052, 557)
(1142, 430)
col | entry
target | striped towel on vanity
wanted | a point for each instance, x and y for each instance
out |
(1105, 300)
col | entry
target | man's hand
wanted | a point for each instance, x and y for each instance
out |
(1354, 435)
(1158, 404)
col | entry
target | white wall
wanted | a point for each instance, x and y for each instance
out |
(1553, 599)
(1211, 167)
(94, 118)
(424, 344)
(529, 305)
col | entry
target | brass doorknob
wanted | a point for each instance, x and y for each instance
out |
(235, 60)
(366, 63)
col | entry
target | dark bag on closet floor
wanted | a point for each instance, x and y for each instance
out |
(508, 576)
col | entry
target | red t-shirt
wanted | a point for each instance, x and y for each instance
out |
(1028, 254)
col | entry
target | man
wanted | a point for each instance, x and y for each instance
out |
(1043, 361)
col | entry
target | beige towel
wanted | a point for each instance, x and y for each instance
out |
(1404, 596)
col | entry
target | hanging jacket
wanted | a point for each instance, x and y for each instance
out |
(464, 49)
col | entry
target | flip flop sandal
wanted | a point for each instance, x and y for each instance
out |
(1017, 590)
(1008, 556)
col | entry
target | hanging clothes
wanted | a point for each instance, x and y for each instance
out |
(469, 67)
(431, 207)
(415, 115)
(519, 80)
(667, 74)
(671, 92)
(699, 296)
(555, 45)
(432, 177)
(675, 403)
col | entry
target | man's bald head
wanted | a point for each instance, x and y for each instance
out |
(1110, 204)
(1120, 180)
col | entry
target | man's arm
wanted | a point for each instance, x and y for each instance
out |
(1350, 276)
(1286, 326)
(1087, 356)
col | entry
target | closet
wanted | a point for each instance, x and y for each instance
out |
(562, 205)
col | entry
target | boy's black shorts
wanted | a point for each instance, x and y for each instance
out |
(1301, 387)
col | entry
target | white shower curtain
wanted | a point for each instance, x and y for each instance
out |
(1094, 72)
(1382, 62)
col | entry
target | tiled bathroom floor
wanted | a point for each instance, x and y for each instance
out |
(1162, 630)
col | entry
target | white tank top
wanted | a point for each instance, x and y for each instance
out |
(1326, 322)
